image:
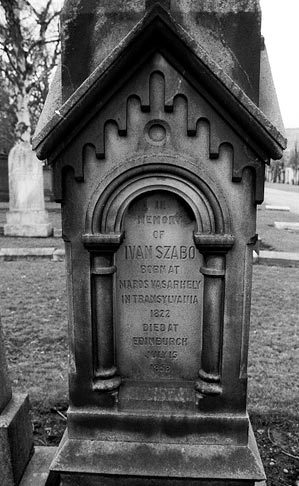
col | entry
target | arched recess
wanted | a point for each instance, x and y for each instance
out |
(106, 210)
(212, 238)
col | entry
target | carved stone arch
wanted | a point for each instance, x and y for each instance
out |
(105, 234)
(113, 211)
(108, 203)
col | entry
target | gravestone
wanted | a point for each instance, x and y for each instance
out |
(16, 438)
(27, 215)
(158, 155)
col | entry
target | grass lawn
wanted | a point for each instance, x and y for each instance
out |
(275, 239)
(34, 318)
(283, 187)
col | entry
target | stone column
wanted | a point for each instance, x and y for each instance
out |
(27, 215)
(213, 248)
(102, 249)
(16, 438)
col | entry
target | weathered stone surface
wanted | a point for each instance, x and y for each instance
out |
(5, 386)
(37, 471)
(268, 101)
(68, 480)
(16, 226)
(158, 157)
(55, 121)
(27, 215)
(157, 464)
(158, 263)
(228, 31)
(16, 439)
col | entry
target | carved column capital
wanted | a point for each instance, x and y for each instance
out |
(213, 243)
(98, 242)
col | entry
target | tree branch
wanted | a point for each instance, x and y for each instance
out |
(31, 8)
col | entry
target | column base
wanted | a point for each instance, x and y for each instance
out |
(16, 440)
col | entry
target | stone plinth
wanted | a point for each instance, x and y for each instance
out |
(27, 223)
(16, 439)
(27, 215)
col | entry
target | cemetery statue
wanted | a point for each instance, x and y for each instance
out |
(27, 215)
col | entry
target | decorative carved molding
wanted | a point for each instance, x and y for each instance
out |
(214, 243)
(157, 172)
(166, 99)
(97, 241)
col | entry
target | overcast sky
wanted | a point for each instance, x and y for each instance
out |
(280, 27)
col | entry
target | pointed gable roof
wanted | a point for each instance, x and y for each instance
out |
(157, 31)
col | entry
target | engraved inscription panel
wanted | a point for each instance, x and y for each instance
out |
(158, 291)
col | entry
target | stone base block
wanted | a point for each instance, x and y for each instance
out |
(16, 440)
(126, 481)
(28, 223)
(28, 230)
(117, 463)
(37, 471)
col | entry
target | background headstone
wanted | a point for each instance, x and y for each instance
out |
(27, 215)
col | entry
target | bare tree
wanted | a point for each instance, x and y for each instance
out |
(7, 119)
(29, 50)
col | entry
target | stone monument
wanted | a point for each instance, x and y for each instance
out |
(27, 215)
(158, 151)
(16, 438)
